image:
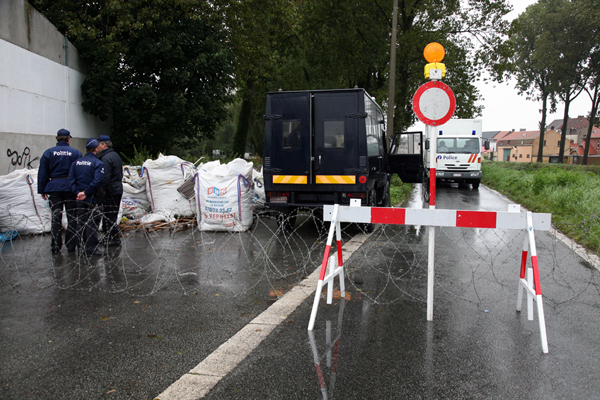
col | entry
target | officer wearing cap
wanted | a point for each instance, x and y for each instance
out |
(113, 187)
(54, 186)
(85, 177)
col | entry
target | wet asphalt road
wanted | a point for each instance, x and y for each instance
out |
(129, 324)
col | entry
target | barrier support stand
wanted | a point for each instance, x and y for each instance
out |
(530, 282)
(432, 218)
(328, 265)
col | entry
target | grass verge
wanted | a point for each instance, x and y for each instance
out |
(570, 193)
(399, 191)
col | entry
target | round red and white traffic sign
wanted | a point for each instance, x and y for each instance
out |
(434, 103)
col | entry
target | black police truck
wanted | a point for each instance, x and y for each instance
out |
(326, 147)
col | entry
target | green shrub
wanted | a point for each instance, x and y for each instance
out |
(399, 191)
(570, 193)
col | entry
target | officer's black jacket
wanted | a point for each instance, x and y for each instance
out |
(113, 171)
(86, 175)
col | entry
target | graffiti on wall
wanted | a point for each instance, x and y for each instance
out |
(22, 160)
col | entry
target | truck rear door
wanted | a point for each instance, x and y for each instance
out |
(406, 156)
(335, 149)
(288, 143)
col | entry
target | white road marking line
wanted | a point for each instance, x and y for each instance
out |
(204, 376)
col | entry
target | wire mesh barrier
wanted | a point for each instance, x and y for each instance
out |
(179, 257)
(172, 255)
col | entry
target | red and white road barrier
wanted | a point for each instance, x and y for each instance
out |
(512, 219)
(532, 282)
(328, 264)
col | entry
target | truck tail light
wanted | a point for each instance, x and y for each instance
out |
(278, 194)
(278, 197)
(357, 195)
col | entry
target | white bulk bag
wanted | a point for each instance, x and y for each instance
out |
(224, 195)
(164, 175)
(134, 185)
(133, 208)
(259, 198)
(134, 202)
(21, 207)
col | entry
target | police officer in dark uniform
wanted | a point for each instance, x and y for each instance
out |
(86, 176)
(53, 185)
(113, 187)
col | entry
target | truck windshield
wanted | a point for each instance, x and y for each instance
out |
(458, 145)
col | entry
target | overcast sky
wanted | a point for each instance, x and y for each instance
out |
(504, 109)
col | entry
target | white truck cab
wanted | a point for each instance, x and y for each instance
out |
(458, 155)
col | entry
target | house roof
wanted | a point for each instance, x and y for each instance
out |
(489, 134)
(501, 135)
(580, 150)
(521, 135)
(557, 123)
(573, 123)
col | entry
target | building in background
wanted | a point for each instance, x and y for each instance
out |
(40, 88)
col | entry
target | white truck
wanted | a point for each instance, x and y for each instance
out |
(458, 150)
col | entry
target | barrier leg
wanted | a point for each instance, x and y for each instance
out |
(538, 287)
(313, 314)
(330, 268)
(529, 294)
(523, 270)
(542, 322)
(338, 237)
(529, 280)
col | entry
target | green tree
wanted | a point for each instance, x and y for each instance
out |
(160, 69)
(589, 12)
(565, 41)
(530, 64)
(346, 44)
(259, 30)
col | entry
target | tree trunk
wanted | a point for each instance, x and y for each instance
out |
(540, 157)
(592, 118)
(563, 133)
(241, 134)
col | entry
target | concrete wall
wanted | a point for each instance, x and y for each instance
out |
(40, 88)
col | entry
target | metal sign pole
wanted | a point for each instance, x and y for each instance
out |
(431, 243)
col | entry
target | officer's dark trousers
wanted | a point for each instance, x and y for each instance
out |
(88, 220)
(110, 225)
(58, 200)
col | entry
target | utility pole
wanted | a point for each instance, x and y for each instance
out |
(392, 77)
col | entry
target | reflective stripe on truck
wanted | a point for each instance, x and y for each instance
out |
(343, 179)
(296, 179)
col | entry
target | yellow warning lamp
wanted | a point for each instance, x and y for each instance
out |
(434, 53)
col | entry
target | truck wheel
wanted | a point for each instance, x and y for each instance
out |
(425, 188)
(383, 196)
(368, 228)
(475, 185)
(387, 198)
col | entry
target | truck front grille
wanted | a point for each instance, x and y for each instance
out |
(458, 167)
